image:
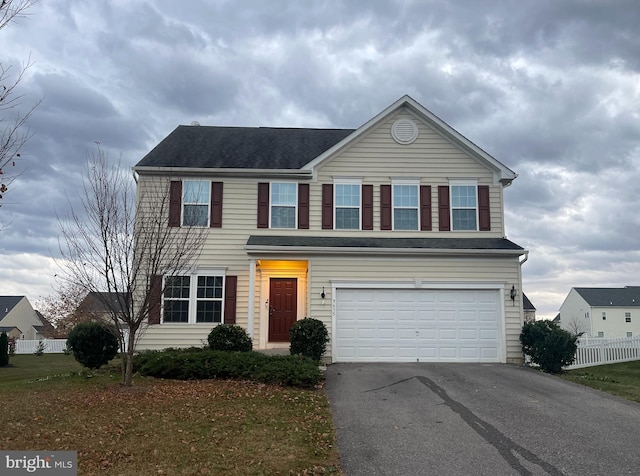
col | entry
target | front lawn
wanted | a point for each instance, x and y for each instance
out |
(163, 426)
(621, 379)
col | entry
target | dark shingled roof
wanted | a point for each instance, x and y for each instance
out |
(526, 304)
(242, 147)
(629, 296)
(383, 243)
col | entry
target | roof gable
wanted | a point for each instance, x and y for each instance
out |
(7, 303)
(629, 296)
(504, 174)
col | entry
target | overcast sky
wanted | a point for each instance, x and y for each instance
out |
(549, 88)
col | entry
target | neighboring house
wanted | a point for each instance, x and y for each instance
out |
(101, 306)
(392, 234)
(602, 312)
(528, 308)
(18, 319)
(45, 329)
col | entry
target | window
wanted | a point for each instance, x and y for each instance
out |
(283, 205)
(604, 316)
(464, 206)
(195, 203)
(405, 207)
(627, 317)
(176, 299)
(185, 303)
(347, 208)
(600, 334)
(629, 334)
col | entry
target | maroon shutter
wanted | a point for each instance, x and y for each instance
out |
(425, 207)
(367, 207)
(303, 206)
(155, 299)
(175, 202)
(216, 205)
(263, 205)
(327, 206)
(483, 208)
(230, 289)
(444, 218)
(385, 207)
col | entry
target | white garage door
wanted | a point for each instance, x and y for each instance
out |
(409, 325)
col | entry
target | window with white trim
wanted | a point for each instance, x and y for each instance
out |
(604, 316)
(193, 299)
(464, 206)
(283, 205)
(627, 317)
(195, 202)
(405, 206)
(629, 334)
(347, 205)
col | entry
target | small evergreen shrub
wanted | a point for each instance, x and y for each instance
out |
(4, 350)
(191, 364)
(229, 337)
(40, 349)
(92, 344)
(309, 338)
(548, 345)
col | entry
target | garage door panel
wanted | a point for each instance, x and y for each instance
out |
(405, 325)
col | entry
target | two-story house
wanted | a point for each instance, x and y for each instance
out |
(602, 312)
(19, 320)
(392, 234)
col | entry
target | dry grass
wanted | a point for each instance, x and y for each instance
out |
(170, 427)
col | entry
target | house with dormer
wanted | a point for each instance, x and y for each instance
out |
(392, 234)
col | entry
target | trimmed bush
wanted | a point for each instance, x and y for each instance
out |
(92, 344)
(309, 338)
(229, 337)
(548, 345)
(192, 364)
(4, 350)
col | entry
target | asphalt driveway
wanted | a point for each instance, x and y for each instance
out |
(477, 419)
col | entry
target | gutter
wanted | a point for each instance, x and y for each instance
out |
(360, 251)
(224, 172)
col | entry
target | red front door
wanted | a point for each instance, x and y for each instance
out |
(283, 310)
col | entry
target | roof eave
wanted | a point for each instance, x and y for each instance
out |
(335, 250)
(224, 172)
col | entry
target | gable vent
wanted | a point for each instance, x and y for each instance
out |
(404, 131)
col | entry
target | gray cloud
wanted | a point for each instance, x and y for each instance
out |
(552, 89)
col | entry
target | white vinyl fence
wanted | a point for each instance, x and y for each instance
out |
(599, 351)
(51, 346)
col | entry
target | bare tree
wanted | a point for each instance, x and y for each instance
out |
(576, 326)
(61, 308)
(119, 248)
(13, 135)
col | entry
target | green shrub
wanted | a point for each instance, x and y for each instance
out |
(92, 344)
(191, 364)
(548, 345)
(229, 337)
(309, 338)
(4, 350)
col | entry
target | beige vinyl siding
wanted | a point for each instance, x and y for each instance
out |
(376, 158)
(430, 270)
